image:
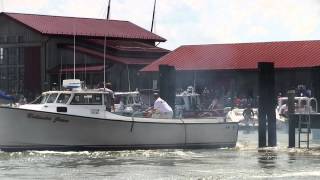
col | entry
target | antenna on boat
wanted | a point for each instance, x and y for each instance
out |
(104, 50)
(74, 56)
(128, 78)
(85, 69)
(108, 12)
(60, 72)
(194, 80)
(104, 63)
(153, 14)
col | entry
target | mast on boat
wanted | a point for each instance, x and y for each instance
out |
(104, 63)
(74, 53)
(108, 12)
(153, 14)
(104, 50)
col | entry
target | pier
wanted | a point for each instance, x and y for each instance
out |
(304, 123)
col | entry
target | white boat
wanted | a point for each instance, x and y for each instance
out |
(187, 103)
(303, 105)
(78, 120)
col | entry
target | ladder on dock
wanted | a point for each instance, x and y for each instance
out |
(304, 128)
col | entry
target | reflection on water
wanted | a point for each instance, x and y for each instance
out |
(267, 159)
(245, 161)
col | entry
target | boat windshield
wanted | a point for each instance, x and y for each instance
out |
(52, 97)
(63, 98)
(40, 99)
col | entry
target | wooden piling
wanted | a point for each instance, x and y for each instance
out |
(262, 113)
(167, 84)
(316, 83)
(267, 103)
(291, 120)
(271, 106)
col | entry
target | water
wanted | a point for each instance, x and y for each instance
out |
(245, 161)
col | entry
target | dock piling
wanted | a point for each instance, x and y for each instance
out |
(291, 120)
(167, 84)
(267, 103)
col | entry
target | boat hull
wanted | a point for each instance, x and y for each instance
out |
(22, 129)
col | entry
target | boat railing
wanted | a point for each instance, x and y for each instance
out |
(203, 113)
(315, 103)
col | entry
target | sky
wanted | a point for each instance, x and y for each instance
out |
(185, 22)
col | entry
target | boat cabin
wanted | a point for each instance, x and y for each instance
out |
(81, 102)
(74, 98)
(187, 102)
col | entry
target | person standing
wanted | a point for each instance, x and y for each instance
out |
(248, 115)
(109, 100)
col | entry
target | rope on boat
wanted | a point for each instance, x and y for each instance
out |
(132, 123)
(185, 131)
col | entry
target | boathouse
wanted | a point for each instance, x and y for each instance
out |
(37, 52)
(231, 69)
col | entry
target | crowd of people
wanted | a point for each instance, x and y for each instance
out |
(214, 99)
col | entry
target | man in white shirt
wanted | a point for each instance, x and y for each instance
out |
(161, 108)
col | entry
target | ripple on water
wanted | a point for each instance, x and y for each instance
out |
(245, 161)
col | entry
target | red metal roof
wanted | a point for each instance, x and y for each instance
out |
(294, 54)
(123, 60)
(58, 25)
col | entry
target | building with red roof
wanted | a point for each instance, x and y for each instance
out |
(37, 51)
(241, 56)
(232, 68)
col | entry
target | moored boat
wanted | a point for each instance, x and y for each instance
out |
(128, 103)
(5, 99)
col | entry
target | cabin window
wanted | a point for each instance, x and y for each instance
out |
(52, 97)
(303, 103)
(63, 98)
(87, 99)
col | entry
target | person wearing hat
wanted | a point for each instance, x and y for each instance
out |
(161, 108)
